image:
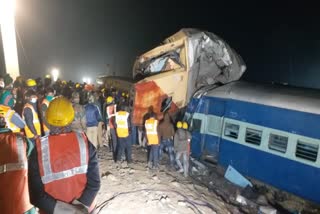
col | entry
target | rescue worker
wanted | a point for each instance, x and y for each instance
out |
(47, 81)
(100, 124)
(7, 94)
(79, 122)
(122, 122)
(31, 84)
(44, 106)
(13, 120)
(30, 116)
(182, 139)
(151, 127)
(93, 118)
(63, 169)
(110, 109)
(166, 133)
(14, 150)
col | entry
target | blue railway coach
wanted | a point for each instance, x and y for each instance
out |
(267, 132)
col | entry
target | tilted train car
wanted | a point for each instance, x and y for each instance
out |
(169, 74)
(267, 132)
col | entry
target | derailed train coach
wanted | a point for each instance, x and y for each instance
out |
(168, 75)
(267, 132)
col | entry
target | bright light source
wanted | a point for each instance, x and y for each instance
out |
(8, 34)
(55, 74)
(86, 80)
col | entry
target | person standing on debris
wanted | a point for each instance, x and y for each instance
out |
(110, 111)
(30, 115)
(79, 122)
(93, 117)
(63, 169)
(152, 129)
(166, 133)
(44, 106)
(14, 194)
(182, 139)
(122, 122)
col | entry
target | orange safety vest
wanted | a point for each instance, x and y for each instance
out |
(111, 110)
(7, 112)
(63, 164)
(151, 128)
(14, 194)
(122, 124)
(36, 122)
(45, 128)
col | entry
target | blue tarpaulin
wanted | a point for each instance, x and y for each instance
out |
(235, 177)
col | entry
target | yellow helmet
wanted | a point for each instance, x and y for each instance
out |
(64, 82)
(123, 94)
(109, 99)
(60, 112)
(31, 82)
(185, 125)
(77, 85)
(179, 124)
(127, 95)
(48, 76)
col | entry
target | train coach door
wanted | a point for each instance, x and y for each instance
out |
(214, 117)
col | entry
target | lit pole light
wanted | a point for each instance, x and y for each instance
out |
(55, 74)
(8, 34)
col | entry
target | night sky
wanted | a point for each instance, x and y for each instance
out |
(278, 42)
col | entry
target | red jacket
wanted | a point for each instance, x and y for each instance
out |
(14, 194)
(63, 164)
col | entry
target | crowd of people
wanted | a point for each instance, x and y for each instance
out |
(50, 133)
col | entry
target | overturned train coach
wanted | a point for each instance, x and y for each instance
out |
(168, 75)
(267, 132)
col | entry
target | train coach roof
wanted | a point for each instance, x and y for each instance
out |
(300, 99)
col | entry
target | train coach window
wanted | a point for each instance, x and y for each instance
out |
(196, 125)
(278, 143)
(253, 136)
(307, 151)
(231, 130)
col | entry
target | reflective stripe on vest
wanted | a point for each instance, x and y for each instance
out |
(50, 176)
(122, 124)
(151, 129)
(35, 121)
(45, 128)
(21, 164)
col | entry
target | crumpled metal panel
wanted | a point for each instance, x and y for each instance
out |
(211, 60)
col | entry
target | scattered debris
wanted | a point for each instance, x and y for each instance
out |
(262, 200)
(250, 193)
(235, 177)
(267, 210)
(182, 203)
(241, 200)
